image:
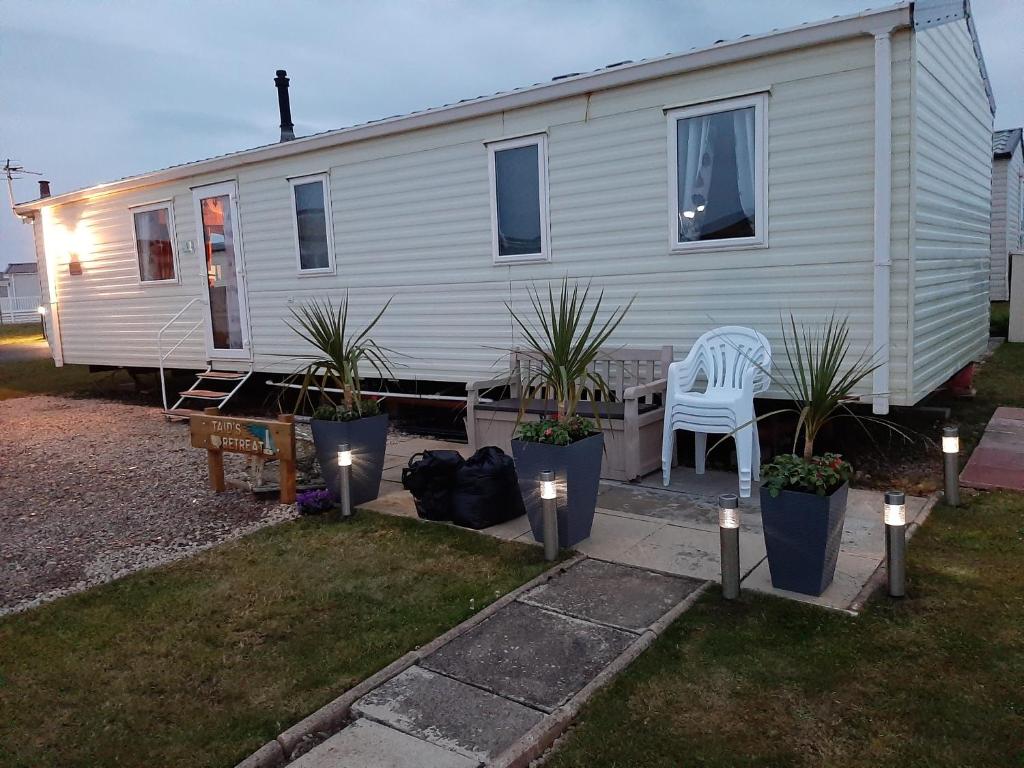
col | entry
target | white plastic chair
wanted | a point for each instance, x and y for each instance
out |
(736, 362)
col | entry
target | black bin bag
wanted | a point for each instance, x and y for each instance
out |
(486, 490)
(430, 478)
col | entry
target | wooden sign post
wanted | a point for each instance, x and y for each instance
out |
(266, 438)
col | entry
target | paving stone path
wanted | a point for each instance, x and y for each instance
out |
(998, 461)
(484, 696)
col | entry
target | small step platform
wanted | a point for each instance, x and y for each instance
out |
(222, 375)
(205, 394)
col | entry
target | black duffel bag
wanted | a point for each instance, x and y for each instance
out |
(430, 478)
(486, 490)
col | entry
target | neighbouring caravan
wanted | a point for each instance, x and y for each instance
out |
(836, 166)
(1007, 208)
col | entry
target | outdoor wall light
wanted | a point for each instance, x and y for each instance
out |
(951, 464)
(549, 496)
(345, 474)
(896, 542)
(729, 534)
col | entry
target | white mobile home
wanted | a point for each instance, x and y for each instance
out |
(836, 166)
(1007, 207)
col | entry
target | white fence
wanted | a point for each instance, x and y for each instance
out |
(21, 309)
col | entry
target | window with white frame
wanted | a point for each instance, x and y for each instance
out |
(519, 216)
(311, 207)
(153, 227)
(717, 174)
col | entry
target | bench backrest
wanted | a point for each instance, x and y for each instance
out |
(620, 367)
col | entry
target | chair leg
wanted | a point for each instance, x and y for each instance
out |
(744, 451)
(700, 450)
(756, 453)
(668, 439)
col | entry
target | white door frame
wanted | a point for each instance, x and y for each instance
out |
(230, 189)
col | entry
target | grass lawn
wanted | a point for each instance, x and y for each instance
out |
(936, 679)
(199, 663)
(20, 333)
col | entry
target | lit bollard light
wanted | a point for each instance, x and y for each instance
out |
(896, 542)
(549, 496)
(951, 464)
(345, 475)
(729, 533)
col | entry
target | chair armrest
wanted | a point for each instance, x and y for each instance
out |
(501, 381)
(642, 390)
(683, 374)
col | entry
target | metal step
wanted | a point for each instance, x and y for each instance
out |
(205, 394)
(221, 375)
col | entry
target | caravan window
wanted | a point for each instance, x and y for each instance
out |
(312, 209)
(717, 174)
(154, 242)
(519, 199)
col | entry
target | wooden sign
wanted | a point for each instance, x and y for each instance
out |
(266, 438)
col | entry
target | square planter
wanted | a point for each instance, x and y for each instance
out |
(802, 533)
(367, 437)
(577, 469)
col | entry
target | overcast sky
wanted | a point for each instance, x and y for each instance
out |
(91, 91)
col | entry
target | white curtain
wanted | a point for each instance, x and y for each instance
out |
(695, 161)
(743, 125)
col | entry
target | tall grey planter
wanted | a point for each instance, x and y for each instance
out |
(802, 534)
(367, 438)
(577, 469)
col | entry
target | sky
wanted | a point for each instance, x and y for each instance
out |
(93, 90)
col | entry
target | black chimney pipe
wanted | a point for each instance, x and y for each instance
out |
(287, 129)
(44, 189)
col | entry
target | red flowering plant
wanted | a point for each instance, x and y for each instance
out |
(556, 431)
(820, 474)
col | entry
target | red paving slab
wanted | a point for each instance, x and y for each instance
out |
(998, 461)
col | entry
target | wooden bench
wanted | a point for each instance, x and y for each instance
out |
(631, 420)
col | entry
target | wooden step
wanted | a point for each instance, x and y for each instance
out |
(222, 375)
(181, 413)
(204, 394)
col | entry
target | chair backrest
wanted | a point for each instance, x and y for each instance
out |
(620, 367)
(726, 354)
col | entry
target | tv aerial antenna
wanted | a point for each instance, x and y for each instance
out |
(14, 171)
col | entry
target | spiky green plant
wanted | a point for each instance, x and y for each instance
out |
(823, 374)
(339, 351)
(566, 338)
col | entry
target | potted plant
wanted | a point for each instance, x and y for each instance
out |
(566, 337)
(355, 420)
(803, 497)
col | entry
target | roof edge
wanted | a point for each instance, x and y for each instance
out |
(1016, 136)
(802, 36)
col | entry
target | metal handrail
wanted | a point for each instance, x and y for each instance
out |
(160, 338)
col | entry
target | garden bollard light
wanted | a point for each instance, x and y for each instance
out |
(896, 542)
(548, 495)
(729, 533)
(951, 464)
(345, 473)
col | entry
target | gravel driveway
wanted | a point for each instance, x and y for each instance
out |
(91, 490)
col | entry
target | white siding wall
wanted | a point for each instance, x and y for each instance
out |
(411, 220)
(1006, 215)
(953, 165)
(107, 317)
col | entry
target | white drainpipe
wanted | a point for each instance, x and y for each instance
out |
(883, 217)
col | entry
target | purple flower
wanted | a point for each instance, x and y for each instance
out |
(314, 502)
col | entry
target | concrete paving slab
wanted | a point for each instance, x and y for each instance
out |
(709, 485)
(410, 446)
(612, 535)
(672, 506)
(852, 573)
(621, 596)
(366, 744)
(998, 461)
(392, 502)
(691, 552)
(448, 713)
(511, 529)
(530, 655)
